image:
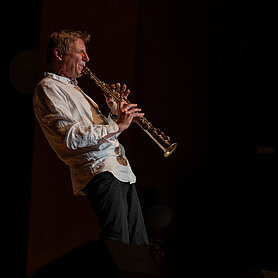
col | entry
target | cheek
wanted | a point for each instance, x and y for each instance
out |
(68, 63)
(73, 64)
(78, 61)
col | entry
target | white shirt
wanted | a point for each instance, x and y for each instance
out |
(75, 129)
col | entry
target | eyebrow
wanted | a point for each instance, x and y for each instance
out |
(80, 49)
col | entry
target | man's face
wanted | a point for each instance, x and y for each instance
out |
(74, 60)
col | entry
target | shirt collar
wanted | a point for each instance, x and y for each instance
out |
(63, 79)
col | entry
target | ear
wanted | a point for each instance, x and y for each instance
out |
(58, 54)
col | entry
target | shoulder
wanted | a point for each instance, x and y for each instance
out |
(50, 86)
(49, 90)
(46, 83)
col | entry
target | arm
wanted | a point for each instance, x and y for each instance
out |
(61, 126)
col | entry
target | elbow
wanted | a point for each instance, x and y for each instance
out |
(71, 138)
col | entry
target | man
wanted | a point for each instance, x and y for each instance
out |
(87, 141)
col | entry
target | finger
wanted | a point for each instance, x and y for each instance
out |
(123, 89)
(136, 115)
(126, 93)
(133, 110)
(113, 86)
(127, 107)
(107, 96)
(107, 99)
(118, 87)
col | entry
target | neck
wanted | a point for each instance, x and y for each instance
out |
(57, 69)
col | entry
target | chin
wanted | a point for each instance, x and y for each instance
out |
(78, 74)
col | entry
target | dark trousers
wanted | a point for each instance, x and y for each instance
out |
(117, 208)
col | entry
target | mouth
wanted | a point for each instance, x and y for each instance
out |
(82, 66)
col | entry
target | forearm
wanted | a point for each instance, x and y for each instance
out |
(80, 136)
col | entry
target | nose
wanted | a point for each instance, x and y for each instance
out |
(86, 57)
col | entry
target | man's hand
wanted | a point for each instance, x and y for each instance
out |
(112, 104)
(126, 113)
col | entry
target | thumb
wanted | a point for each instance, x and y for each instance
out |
(107, 96)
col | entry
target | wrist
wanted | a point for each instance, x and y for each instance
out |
(121, 126)
(113, 116)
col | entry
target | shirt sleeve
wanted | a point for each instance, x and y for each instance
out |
(53, 112)
(111, 121)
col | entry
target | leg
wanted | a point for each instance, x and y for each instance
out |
(107, 196)
(137, 230)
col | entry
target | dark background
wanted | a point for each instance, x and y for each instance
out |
(206, 75)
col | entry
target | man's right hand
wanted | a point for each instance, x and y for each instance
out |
(126, 113)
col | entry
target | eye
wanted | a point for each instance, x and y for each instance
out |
(79, 51)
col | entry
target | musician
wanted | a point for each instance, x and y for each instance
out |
(87, 141)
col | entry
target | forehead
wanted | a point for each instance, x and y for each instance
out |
(78, 43)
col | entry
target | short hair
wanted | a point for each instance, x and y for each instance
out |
(62, 39)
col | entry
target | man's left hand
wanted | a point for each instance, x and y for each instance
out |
(112, 104)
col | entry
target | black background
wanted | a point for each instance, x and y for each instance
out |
(225, 218)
